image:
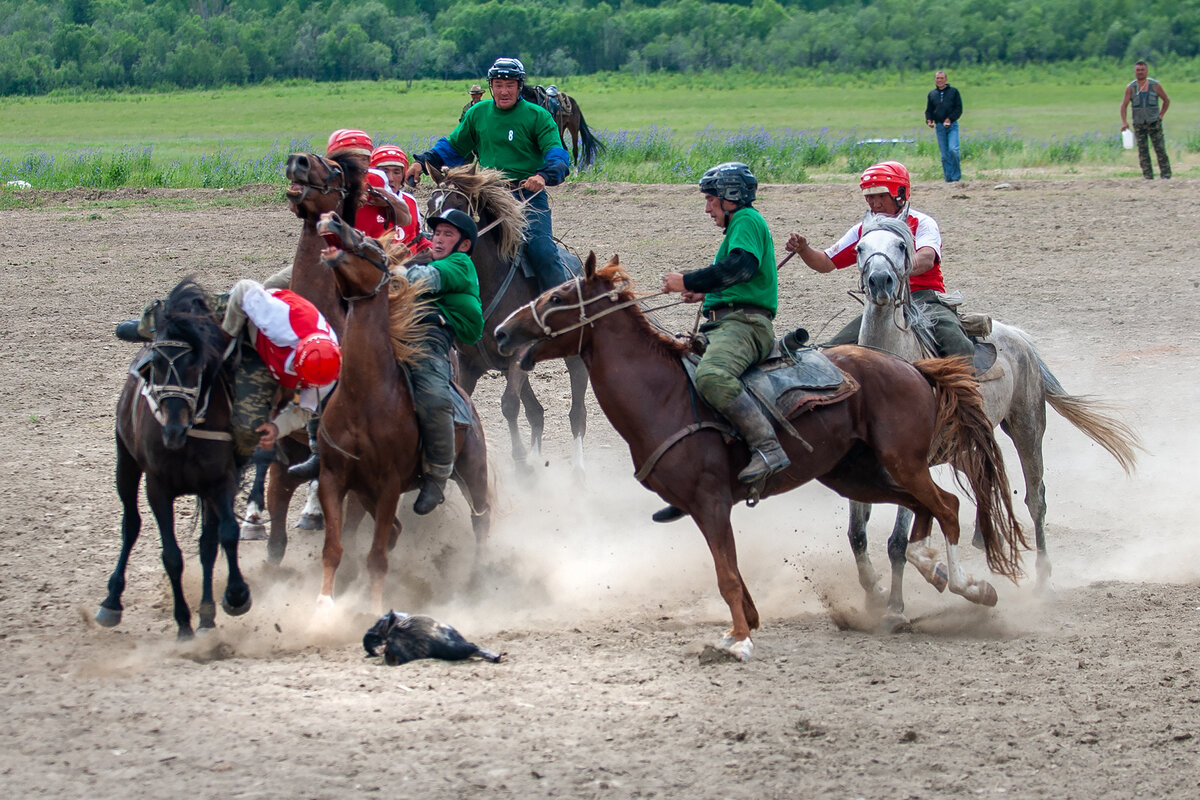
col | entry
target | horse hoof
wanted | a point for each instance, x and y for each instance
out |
(310, 522)
(940, 577)
(108, 617)
(253, 532)
(185, 634)
(208, 616)
(324, 602)
(232, 607)
(894, 623)
(987, 595)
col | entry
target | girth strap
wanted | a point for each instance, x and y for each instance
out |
(648, 466)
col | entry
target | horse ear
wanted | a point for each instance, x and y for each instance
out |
(435, 173)
(589, 266)
(474, 164)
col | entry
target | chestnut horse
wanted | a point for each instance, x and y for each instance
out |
(370, 444)
(172, 426)
(874, 446)
(487, 196)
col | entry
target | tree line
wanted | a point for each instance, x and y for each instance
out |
(88, 45)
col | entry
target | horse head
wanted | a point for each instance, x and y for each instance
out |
(885, 259)
(449, 193)
(359, 263)
(320, 184)
(185, 357)
(541, 327)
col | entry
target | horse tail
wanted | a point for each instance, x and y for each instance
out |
(592, 146)
(1087, 414)
(965, 441)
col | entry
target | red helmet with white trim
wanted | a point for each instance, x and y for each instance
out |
(389, 155)
(318, 360)
(887, 177)
(348, 140)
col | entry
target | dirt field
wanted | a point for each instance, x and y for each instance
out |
(1090, 692)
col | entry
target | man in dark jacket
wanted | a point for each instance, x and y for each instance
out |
(942, 110)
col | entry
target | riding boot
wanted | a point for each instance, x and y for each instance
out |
(127, 331)
(767, 455)
(668, 514)
(433, 485)
(310, 468)
(437, 436)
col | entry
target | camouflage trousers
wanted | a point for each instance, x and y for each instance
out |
(1154, 132)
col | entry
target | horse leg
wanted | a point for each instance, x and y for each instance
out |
(944, 507)
(311, 518)
(252, 528)
(868, 578)
(578, 373)
(535, 415)
(280, 489)
(129, 476)
(163, 507)
(236, 599)
(713, 520)
(331, 496)
(207, 610)
(377, 559)
(471, 475)
(1028, 440)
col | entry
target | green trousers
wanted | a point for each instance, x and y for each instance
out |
(736, 342)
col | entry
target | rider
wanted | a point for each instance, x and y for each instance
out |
(887, 189)
(392, 162)
(356, 144)
(453, 286)
(520, 139)
(476, 97)
(741, 295)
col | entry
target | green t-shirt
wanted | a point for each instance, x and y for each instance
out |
(748, 230)
(459, 297)
(514, 141)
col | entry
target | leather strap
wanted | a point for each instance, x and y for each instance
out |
(644, 471)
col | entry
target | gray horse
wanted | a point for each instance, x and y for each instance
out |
(1015, 393)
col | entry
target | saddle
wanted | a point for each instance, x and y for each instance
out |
(570, 262)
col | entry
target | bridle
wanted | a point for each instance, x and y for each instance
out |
(335, 173)
(374, 256)
(904, 300)
(612, 295)
(173, 387)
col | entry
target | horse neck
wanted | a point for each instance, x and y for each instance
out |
(313, 281)
(492, 270)
(880, 331)
(367, 357)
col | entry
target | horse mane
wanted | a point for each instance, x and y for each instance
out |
(491, 191)
(406, 308)
(659, 338)
(186, 315)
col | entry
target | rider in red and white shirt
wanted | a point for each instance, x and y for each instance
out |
(392, 162)
(887, 188)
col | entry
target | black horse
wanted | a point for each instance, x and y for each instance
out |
(173, 426)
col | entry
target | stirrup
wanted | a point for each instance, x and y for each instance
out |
(762, 467)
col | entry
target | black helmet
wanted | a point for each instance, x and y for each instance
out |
(732, 181)
(460, 220)
(509, 69)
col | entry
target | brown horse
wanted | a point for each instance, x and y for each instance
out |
(570, 121)
(370, 425)
(874, 446)
(486, 195)
(172, 426)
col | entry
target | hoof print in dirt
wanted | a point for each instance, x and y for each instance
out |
(401, 638)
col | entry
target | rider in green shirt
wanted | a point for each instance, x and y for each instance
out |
(741, 294)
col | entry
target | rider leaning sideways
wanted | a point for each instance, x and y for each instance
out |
(377, 200)
(887, 189)
(392, 162)
(741, 295)
(451, 283)
(520, 139)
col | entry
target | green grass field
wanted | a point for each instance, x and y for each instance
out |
(1033, 106)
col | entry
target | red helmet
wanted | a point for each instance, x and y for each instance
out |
(348, 140)
(377, 179)
(318, 360)
(887, 177)
(389, 155)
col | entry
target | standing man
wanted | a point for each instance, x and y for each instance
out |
(1144, 92)
(521, 140)
(943, 107)
(476, 96)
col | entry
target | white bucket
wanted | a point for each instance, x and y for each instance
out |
(1127, 139)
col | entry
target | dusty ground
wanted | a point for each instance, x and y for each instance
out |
(1091, 692)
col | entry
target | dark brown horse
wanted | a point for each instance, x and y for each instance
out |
(486, 195)
(873, 446)
(172, 426)
(570, 121)
(370, 444)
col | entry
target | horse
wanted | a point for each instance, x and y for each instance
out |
(173, 427)
(568, 117)
(1015, 400)
(874, 444)
(486, 195)
(369, 425)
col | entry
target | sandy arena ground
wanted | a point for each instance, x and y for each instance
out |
(1090, 692)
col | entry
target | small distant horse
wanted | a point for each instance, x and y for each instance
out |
(370, 441)
(565, 110)
(1015, 400)
(173, 426)
(487, 196)
(873, 446)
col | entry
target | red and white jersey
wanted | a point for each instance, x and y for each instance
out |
(375, 221)
(925, 234)
(282, 318)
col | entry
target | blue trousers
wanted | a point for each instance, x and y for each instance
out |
(539, 242)
(947, 139)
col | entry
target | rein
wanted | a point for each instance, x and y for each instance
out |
(173, 387)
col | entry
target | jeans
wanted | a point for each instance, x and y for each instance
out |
(947, 139)
(539, 242)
